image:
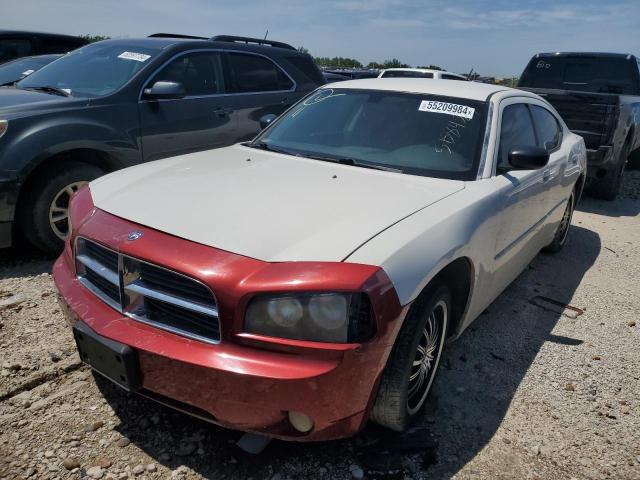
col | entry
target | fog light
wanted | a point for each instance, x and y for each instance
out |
(301, 422)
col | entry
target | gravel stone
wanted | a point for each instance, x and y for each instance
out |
(71, 463)
(95, 472)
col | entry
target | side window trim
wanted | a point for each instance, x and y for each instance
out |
(537, 132)
(277, 65)
(227, 74)
(151, 76)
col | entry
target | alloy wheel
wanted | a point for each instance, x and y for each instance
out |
(425, 362)
(565, 223)
(59, 209)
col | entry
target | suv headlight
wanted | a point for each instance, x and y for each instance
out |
(318, 317)
(4, 125)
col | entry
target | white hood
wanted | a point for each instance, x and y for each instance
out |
(273, 208)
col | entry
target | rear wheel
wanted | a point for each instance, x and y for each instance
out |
(413, 363)
(44, 216)
(560, 238)
(608, 188)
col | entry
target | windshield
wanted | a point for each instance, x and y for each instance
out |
(11, 72)
(580, 73)
(92, 71)
(418, 134)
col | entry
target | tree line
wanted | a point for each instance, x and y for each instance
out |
(346, 62)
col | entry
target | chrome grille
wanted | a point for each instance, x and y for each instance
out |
(148, 293)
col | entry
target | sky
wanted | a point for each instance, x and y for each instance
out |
(494, 37)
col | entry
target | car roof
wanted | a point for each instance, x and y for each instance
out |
(9, 33)
(583, 54)
(187, 43)
(445, 88)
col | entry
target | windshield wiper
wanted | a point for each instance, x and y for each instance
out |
(351, 161)
(270, 148)
(48, 89)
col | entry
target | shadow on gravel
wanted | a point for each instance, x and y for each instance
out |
(481, 372)
(621, 207)
(23, 261)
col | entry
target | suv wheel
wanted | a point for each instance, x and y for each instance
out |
(609, 187)
(44, 216)
(413, 363)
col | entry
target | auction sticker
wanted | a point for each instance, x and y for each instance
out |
(447, 108)
(138, 57)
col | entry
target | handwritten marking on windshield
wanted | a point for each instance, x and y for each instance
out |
(452, 132)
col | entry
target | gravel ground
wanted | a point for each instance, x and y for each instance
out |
(526, 392)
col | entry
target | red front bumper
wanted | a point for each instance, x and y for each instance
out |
(245, 382)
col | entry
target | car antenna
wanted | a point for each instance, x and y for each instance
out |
(266, 33)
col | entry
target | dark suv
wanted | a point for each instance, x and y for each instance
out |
(117, 103)
(15, 44)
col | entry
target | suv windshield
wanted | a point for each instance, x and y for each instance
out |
(595, 74)
(92, 71)
(419, 134)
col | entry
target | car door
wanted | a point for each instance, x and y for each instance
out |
(203, 119)
(560, 177)
(259, 87)
(521, 195)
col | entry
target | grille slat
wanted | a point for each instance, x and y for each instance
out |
(173, 284)
(152, 294)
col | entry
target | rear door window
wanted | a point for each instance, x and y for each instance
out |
(549, 132)
(252, 74)
(446, 76)
(200, 73)
(516, 131)
(11, 48)
(581, 73)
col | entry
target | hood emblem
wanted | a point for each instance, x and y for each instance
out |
(135, 235)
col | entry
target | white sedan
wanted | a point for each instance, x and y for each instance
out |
(305, 282)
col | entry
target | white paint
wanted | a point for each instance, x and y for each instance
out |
(275, 207)
(138, 57)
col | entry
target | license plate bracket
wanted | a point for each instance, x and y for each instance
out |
(114, 360)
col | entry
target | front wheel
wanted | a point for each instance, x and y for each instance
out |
(413, 363)
(44, 217)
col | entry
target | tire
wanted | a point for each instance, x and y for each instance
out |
(634, 160)
(608, 188)
(562, 232)
(396, 406)
(53, 185)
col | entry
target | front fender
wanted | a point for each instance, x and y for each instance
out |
(31, 140)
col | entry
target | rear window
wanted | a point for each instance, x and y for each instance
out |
(406, 74)
(11, 48)
(308, 69)
(581, 73)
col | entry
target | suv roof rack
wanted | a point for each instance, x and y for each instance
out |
(175, 35)
(258, 41)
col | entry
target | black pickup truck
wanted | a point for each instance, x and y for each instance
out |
(598, 96)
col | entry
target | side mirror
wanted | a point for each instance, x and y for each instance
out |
(165, 91)
(528, 158)
(265, 120)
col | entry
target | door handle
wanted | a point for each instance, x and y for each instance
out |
(546, 175)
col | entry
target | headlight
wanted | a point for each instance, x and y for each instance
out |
(319, 317)
(4, 125)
